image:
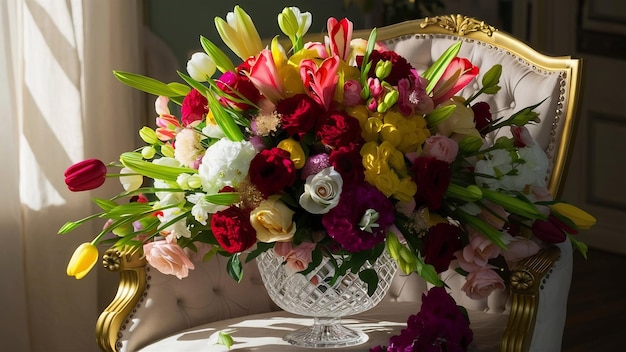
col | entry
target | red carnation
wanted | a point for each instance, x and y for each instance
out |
(432, 178)
(299, 114)
(400, 68)
(338, 129)
(232, 230)
(347, 161)
(194, 107)
(85, 175)
(271, 170)
(440, 244)
(482, 115)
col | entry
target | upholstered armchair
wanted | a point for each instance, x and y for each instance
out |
(153, 311)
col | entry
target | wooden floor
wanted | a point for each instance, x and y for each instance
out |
(596, 309)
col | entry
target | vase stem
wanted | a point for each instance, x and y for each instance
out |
(326, 332)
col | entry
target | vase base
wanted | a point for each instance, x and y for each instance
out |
(326, 335)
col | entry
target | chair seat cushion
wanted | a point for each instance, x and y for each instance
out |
(263, 332)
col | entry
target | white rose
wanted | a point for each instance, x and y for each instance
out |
(322, 191)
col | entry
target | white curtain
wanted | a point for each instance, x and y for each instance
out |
(60, 104)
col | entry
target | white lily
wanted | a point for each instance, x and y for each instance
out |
(239, 33)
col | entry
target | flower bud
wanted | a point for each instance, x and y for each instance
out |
(148, 135)
(85, 175)
(83, 259)
(167, 150)
(201, 67)
(581, 218)
(148, 152)
(391, 97)
(470, 144)
(383, 69)
(132, 181)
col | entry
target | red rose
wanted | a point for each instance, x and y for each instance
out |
(400, 68)
(338, 129)
(299, 114)
(239, 82)
(440, 243)
(271, 170)
(432, 178)
(232, 230)
(85, 175)
(348, 163)
(194, 107)
(482, 115)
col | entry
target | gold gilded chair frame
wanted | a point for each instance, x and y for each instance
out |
(525, 279)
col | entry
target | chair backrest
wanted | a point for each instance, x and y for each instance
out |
(536, 307)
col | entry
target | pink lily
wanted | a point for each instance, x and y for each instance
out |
(264, 75)
(457, 75)
(339, 37)
(320, 82)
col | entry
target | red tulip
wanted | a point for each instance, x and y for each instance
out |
(459, 73)
(85, 175)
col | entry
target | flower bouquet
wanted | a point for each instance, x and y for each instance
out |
(333, 149)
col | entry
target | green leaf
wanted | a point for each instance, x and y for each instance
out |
(440, 114)
(221, 60)
(234, 268)
(223, 120)
(483, 228)
(492, 90)
(133, 208)
(434, 72)
(370, 277)
(260, 248)
(146, 84)
(179, 88)
(512, 204)
(201, 88)
(427, 272)
(135, 162)
(225, 198)
(71, 225)
(105, 204)
(580, 246)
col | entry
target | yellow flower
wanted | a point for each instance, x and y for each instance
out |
(581, 218)
(83, 259)
(272, 220)
(296, 153)
(239, 33)
(461, 121)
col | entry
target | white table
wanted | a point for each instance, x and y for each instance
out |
(263, 332)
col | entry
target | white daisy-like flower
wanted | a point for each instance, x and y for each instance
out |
(188, 148)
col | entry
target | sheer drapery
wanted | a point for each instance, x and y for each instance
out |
(61, 104)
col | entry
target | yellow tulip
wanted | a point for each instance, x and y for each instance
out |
(83, 259)
(581, 218)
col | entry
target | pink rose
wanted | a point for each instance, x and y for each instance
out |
(475, 255)
(441, 148)
(168, 258)
(520, 248)
(481, 283)
(352, 93)
(299, 258)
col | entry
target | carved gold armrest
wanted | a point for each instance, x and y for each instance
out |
(526, 282)
(131, 266)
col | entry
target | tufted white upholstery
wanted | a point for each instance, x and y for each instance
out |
(169, 305)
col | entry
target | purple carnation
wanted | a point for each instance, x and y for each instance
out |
(342, 222)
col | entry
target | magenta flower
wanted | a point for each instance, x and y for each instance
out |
(345, 222)
(85, 175)
(320, 81)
